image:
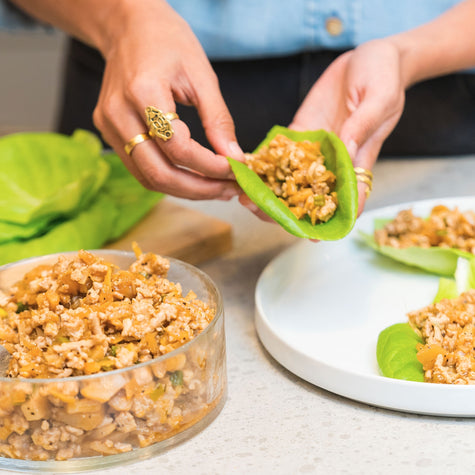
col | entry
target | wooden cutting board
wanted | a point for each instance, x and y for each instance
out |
(175, 231)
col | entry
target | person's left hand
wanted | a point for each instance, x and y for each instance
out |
(360, 97)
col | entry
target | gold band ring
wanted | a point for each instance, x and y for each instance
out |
(159, 123)
(363, 171)
(130, 145)
(366, 177)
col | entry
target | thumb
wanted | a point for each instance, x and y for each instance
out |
(363, 134)
(358, 134)
(368, 126)
(360, 126)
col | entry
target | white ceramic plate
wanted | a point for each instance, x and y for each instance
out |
(320, 308)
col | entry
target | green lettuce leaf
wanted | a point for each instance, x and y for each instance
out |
(447, 289)
(90, 141)
(131, 199)
(336, 159)
(44, 176)
(90, 229)
(396, 350)
(436, 260)
(397, 354)
(102, 200)
(464, 279)
(13, 231)
(465, 274)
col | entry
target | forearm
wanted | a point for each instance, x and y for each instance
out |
(443, 46)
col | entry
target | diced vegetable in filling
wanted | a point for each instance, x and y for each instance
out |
(448, 330)
(81, 316)
(443, 228)
(296, 173)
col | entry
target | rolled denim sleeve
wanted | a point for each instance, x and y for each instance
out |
(14, 19)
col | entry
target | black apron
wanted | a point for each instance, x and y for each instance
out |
(438, 118)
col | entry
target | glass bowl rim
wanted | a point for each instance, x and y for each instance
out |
(104, 374)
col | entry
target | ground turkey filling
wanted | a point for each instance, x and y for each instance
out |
(443, 228)
(448, 330)
(81, 316)
(296, 173)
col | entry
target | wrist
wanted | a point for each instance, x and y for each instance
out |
(129, 18)
(409, 63)
(442, 46)
(110, 23)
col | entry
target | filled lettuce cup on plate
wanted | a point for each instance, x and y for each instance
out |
(304, 181)
(432, 243)
(437, 343)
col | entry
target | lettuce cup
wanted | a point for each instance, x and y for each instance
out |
(436, 344)
(342, 181)
(433, 243)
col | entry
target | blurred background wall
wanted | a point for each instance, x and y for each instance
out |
(30, 80)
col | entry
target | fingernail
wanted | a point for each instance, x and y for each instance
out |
(252, 207)
(229, 193)
(235, 150)
(247, 203)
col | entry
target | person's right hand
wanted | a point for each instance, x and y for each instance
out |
(154, 59)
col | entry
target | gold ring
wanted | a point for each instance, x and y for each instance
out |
(365, 176)
(159, 123)
(367, 181)
(363, 171)
(129, 146)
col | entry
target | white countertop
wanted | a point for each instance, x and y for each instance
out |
(273, 422)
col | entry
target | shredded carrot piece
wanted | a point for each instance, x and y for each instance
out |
(136, 249)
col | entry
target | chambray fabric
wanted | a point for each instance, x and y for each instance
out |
(261, 28)
(267, 58)
(244, 29)
(13, 19)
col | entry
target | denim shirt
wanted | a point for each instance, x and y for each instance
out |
(231, 29)
(259, 28)
(13, 19)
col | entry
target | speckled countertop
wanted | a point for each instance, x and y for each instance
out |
(273, 422)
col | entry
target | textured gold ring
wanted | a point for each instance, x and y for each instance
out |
(367, 181)
(364, 171)
(130, 145)
(159, 123)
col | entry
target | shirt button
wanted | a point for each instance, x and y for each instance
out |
(334, 26)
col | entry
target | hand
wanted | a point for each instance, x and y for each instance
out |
(360, 97)
(153, 59)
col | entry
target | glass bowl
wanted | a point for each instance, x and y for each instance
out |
(119, 416)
